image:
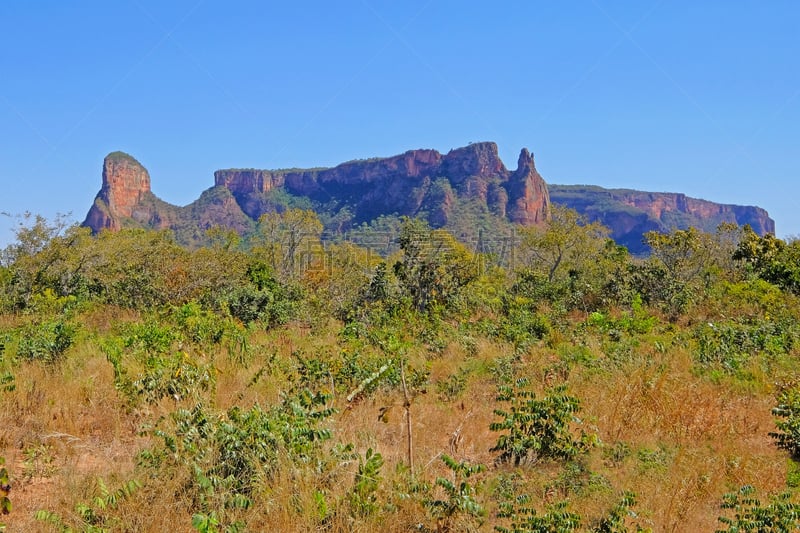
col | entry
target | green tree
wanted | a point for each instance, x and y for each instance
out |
(771, 259)
(285, 239)
(566, 243)
(434, 266)
(139, 268)
(46, 256)
(683, 253)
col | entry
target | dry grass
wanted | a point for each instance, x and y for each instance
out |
(686, 439)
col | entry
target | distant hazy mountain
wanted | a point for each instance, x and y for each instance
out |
(629, 214)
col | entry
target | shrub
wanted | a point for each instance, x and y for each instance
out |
(199, 325)
(525, 519)
(459, 498)
(363, 500)
(731, 344)
(788, 423)
(5, 488)
(45, 342)
(538, 428)
(93, 517)
(229, 456)
(749, 514)
(273, 305)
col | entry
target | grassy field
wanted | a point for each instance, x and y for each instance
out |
(215, 390)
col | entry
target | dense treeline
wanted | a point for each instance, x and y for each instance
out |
(283, 382)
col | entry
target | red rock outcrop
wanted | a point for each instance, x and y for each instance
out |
(125, 200)
(402, 184)
(125, 184)
(529, 198)
(246, 181)
(415, 183)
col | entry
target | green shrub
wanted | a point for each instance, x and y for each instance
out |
(451, 388)
(5, 489)
(230, 456)
(199, 325)
(749, 514)
(363, 497)
(788, 422)
(459, 501)
(525, 519)
(177, 376)
(270, 305)
(150, 337)
(93, 517)
(46, 341)
(538, 428)
(730, 344)
(147, 369)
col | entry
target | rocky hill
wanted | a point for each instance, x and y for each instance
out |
(629, 214)
(417, 183)
(404, 185)
(461, 190)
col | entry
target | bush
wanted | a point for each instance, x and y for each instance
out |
(731, 344)
(459, 501)
(363, 500)
(5, 488)
(199, 325)
(749, 514)
(45, 342)
(788, 423)
(273, 306)
(526, 519)
(537, 429)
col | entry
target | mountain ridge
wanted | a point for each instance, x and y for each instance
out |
(421, 182)
(630, 213)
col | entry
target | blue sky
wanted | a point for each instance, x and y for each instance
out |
(700, 97)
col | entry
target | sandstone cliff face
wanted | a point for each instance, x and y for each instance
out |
(126, 200)
(402, 184)
(629, 214)
(126, 183)
(529, 197)
(416, 183)
(247, 181)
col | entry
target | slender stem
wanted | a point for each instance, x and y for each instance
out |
(407, 406)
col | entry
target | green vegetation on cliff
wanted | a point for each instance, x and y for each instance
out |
(122, 156)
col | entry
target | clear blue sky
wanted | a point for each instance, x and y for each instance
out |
(700, 97)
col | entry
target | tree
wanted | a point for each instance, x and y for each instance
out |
(771, 259)
(139, 268)
(285, 238)
(434, 267)
(683, 253)
(683, 265)
(47, 256)
(567, 243)
(33, 235)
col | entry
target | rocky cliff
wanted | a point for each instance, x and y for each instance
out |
(467, 186)
(402, 184)
(125, 190)
(629, 214)
(125, 200)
